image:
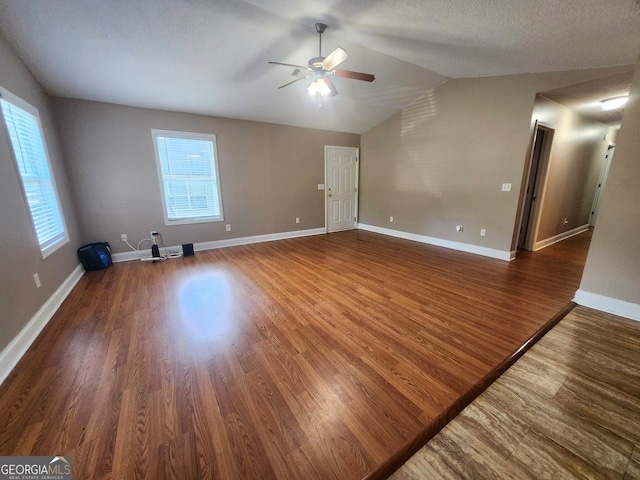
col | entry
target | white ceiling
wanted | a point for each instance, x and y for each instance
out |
(210, 56)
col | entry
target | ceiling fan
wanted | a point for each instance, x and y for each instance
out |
(319, 68)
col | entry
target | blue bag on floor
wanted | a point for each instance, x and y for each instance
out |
(95, 256)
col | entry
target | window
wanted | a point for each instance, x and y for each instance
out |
(189, 180)
(22, 122)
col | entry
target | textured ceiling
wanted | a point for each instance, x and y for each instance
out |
(210, 56)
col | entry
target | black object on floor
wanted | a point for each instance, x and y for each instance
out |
(95, 256)
(187, 249)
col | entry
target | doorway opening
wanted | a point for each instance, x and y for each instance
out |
(536, 180)
(601, 183)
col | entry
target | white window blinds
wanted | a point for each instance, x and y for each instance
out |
(189, 176)
(30, 153)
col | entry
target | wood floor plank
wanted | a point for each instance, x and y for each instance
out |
(319, 357)
(564, 410)
(633, 469)
(588, 398)
(538, 456)
(547, 416)
(503, 431)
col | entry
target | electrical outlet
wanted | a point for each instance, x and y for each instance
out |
(36, 278)
(153, 234)
(506, 187)
(391, 219)
(297, 219)
(459, 228)
(123, 237)
(227, 227)
(565, 221)
(483, 232)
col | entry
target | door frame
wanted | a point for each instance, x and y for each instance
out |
(602, 181)
(357, 184)
(540, 185)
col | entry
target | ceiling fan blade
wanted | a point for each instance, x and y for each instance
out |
(331, 86)
(335, 58)
(294, 81)
(367, 77)
(301, 67)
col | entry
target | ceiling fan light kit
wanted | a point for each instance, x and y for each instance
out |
(319, 87)
(319, 68)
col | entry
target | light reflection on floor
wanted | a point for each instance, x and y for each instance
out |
(205, 301)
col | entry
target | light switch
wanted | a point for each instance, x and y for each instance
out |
(321, 186)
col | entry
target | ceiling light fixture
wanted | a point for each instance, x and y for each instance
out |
(614, 103)
(318, 87)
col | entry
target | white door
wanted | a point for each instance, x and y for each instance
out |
(341, 182)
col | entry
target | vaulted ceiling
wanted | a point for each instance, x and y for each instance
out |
(210, 56)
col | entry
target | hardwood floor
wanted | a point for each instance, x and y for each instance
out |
(569, 408)
(325, 357)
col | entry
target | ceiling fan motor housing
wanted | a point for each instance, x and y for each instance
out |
(315, 63)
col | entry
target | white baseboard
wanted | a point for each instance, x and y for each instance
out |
(463, 247)
(128, 256)
(270, 237)
(231, 242)
(558, 238)
(608, 304)
(12, 354)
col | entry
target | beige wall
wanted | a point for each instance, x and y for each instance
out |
(20, 255)
(442, 161)
(270, 173)
(613, 264)
(575, 164)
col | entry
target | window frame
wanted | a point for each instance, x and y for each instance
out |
(210, 137)
(61, 238)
